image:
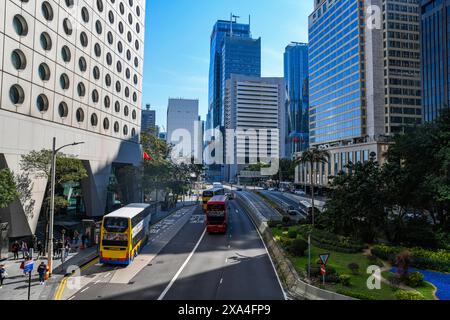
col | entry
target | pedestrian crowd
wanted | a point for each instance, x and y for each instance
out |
(61, 250)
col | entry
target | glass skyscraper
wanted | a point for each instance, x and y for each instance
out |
(435, 21)
(335, 71)
(297, 103)
(221, 30)
(364, 79)
(233, 51)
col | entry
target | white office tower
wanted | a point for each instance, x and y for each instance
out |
(254, 122)
(70, 69)
(184, 130)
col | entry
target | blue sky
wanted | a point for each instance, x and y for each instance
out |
(178, 36)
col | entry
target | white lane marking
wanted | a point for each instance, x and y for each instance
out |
(221, 281)
(163, 294)
(84, 289)
(107, 275)
(97, 282)
(71, 298)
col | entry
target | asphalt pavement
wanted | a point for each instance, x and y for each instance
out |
(235, 266)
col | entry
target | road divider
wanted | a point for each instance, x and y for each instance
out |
(295, 287)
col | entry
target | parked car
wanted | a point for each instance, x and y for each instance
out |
(300, 192)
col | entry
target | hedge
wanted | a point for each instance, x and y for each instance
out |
(420, 258)
(329, 241)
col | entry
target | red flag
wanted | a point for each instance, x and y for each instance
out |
(146, 156)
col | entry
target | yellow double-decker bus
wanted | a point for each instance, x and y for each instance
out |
(124, 233)
(209, 194)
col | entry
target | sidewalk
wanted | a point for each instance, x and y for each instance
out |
(15, 286)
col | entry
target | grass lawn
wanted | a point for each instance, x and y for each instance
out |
(340, 261)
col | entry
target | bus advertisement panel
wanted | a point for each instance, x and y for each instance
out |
(217, 215)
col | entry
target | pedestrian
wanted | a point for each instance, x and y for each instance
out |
(83, 241)
(24, 248)
(3, 274)
(60, 246)
(15, 249)
(40, 249)
(41, 270)
(67, 249)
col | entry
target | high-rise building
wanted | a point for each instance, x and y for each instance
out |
(297, 98)
(233, 51)
(184, 129)
(254, 109)
(435, 36)
(70, 70)
(364, 78)
(148, 123)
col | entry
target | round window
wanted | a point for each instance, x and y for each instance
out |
(80, 115)
(67, 26)
(83, 39)
(47, 11)
(65, 53)
(95, 96)
(18, 59)
(42, 103)
(85, 14)
(82, 64)
(107, 102)
(63, 110)
(117, 106)
(46, 41)
(81, 89)
(116, 127)
(64, 81)
(44, 72)
(20, 25)
(16, 94)
(106, 124)
(94, 120)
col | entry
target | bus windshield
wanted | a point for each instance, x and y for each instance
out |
(116, 225)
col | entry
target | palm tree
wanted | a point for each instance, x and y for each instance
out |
(311, 157)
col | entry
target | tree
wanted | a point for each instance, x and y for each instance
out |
(312, 157)
(286, 171)
(357, 202)
(68, 169)
(8, 188)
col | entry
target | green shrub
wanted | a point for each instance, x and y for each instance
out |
(421, 258)
(332, 278)
(329, 241)
(408, 295)
(286, 243)
(354, 268)
(345, 280)
(272, 224)
(292, 234)
(298, 247)
(287, 220)
(415, 280)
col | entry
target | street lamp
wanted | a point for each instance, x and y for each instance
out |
(52, 201)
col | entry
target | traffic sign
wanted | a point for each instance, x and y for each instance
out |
(324, 258)
(323, 270)
(28, 266)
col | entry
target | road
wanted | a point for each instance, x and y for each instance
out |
(268, 212)
(182, 262)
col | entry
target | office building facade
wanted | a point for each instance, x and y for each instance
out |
(364, 69)
(184, 129)
(435, 45)
(233, 51)
(254, 121)
(148, 122)
(70, 70)
(297, 98)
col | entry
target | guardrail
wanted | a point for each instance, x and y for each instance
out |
(286, 270)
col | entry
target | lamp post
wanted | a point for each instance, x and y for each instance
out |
(52, 201)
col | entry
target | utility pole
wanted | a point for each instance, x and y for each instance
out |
(52, 201)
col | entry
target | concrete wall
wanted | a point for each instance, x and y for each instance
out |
(20, 134)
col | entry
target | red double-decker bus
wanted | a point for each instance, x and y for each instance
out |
(217, 215)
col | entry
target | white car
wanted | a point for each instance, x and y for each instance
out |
(300, 192)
